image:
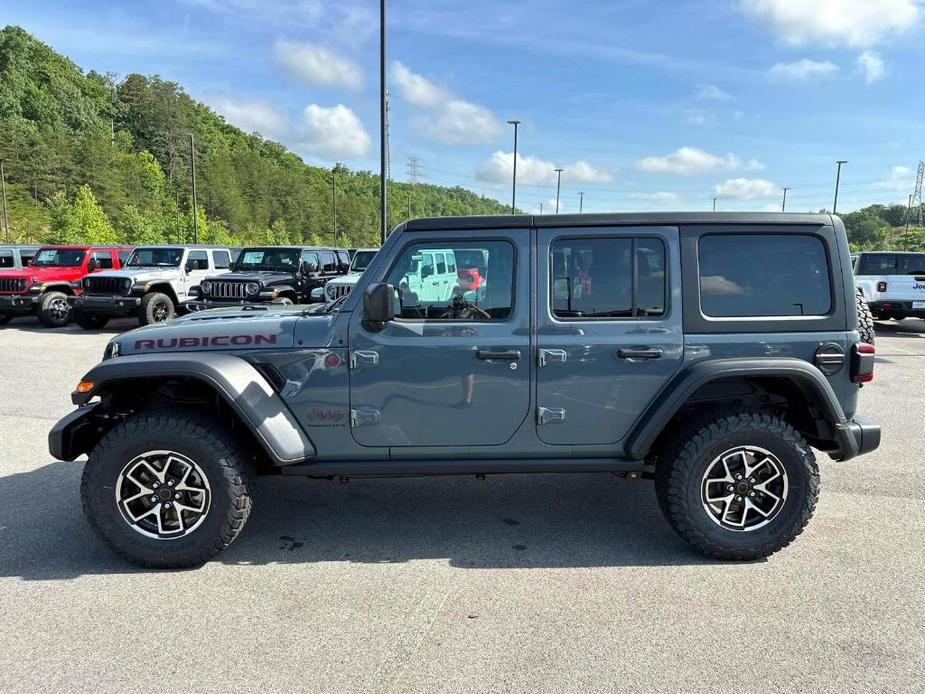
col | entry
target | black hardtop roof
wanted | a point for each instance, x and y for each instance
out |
(617, 219)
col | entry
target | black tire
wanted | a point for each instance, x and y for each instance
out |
(89, 321)
(155, 308)
(6, 318)
(218, 454)
(684, 461)
(282, 301)
(54, 311)
(865, 319)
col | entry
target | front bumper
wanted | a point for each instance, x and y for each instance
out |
(18, 303)
(857, 437)
(896, 308)
(106, 305)
(75, 433)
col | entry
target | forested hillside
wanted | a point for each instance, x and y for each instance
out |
(91, 157)
(883, 227)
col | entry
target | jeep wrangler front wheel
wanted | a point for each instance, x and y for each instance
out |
(738, 486)
(155, 308)
(54, 311)
(167, 490)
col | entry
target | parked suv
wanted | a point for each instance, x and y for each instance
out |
(156, 283)
(709, 351)
(15, 257)
(273, 274)
(44, 287)
(893, 283)
(339, 287)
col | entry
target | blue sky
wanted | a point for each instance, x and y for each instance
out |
(646, 104)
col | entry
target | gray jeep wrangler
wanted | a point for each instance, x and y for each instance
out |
(707, 351)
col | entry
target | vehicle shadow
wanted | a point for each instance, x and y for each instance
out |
(30, 324)
(515, 521)
(908, 327)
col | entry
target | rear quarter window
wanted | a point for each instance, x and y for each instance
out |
(759, 275)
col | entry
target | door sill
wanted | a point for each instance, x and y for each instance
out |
(403, 468)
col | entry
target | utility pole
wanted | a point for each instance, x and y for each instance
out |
(515, 123)
(179, 239)
(908, 212)
(558, 187)
(409, 204)
(541, 208)
(334, 200)
(6, 219)
(581, 203)
(837, 182)
(383, 191)
(714, 204)
(192, 158)
(783, 205)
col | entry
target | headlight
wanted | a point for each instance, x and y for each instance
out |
(252, 287)
(112, 350)
(22, 284)
(126, 284)
(86, 281)
(206, 287)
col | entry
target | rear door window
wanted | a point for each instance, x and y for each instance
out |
(103, 258)
(891, 264)
(221, 259)
(201, 258)
(756, 275)
(6, 258)
(328, 263)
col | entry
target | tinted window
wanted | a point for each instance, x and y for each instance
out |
(310, 258)
(441, 264)
(155, 257)
(104, 258)
(221, 259)
(124, 256)
(6, 258)
(594, 278)
(483, 289)
(763, 275)
(343, 259)
(201, 258)
(327, 261)
(26, 256)
(361, 260)
(55, 257)
(891, 264)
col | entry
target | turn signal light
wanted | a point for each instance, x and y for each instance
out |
(863, 363)
(84, 387)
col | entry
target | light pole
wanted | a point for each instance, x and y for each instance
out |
(541, 207)
(783, 205)
(334, 200)
(6, 219)
(714, 204)
(581, 202)
(515, 123)
(383, 192)
(192, 158)
(558, 187)
(837, 181)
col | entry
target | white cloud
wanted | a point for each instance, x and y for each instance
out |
(746, 188)
(334, 132)
(690, 160)
(251, 116)
(417, 89)
(316, 65)
(659, 197)
(802, 70)
(534, 171)
(901, 178)
(549, 207)
(854, 23)
(460, 122)
(872, 65)
(711, 91)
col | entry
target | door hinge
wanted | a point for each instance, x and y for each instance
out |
(364, 415)
(549, 415)
(363, 358)
(545, 357)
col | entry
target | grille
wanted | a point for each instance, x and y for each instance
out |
(11, 285)
(337, 291)
(105, 285)
(228, 290)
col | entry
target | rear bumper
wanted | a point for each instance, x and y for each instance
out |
(106, 305)
(890, 307)
(857, 437)
(18, 303)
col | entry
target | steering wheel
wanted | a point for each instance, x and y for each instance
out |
(461, 309)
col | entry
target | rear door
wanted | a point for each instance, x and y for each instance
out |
(608, 329)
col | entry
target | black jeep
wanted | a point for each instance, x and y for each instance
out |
(273, 274)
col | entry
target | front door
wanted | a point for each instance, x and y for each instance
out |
(453, 368)
(194, 277)
(608, 329)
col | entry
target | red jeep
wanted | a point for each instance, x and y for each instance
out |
(42, 288)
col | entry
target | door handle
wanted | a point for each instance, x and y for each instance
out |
(642, 353)
(502, 354)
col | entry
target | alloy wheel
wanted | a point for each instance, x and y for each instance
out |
(744, 488)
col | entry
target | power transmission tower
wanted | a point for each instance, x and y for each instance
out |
(917, 193)
(414, 170)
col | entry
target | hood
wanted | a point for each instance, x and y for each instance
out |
(140, 274)
(261, 277)
(44, 273)
(346, 280)
(229, 329)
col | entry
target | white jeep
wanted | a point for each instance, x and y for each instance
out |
(892, 282)
(154, 284)
(339, 287)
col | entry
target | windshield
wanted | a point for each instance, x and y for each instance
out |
(155, 257)
(267, 259)
(58, 257)
(361, 260)
(891, 264)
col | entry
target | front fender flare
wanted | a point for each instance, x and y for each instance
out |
(242, 387)
(689, 380)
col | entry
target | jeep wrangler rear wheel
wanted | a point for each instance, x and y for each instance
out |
(54, 311)
(5, 318)
(865, 319)
(155, 308)
(89, 321)
(167, 490)
(738, 486)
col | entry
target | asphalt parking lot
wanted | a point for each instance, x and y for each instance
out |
(545, 583)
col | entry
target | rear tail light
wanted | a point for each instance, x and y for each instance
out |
(862, 363)
(881, 286)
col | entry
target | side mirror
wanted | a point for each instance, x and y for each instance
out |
(93, 265)
(309, 268)
(190, 265)
(317, 294)
(379, 303)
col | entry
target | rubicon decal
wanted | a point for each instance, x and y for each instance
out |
(208, 341)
